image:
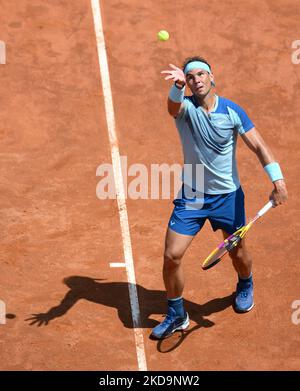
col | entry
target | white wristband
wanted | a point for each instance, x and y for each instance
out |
(274, 172)
(176, 95)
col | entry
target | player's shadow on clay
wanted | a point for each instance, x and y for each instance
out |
(116, 295)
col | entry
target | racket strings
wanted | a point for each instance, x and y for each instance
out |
(232, 241)
(228, 244)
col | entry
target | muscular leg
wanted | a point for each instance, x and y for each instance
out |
(243, 264)
(177, 318)
(175, 247)
(241, 258)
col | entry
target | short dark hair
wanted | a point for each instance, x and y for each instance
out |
(194, 58)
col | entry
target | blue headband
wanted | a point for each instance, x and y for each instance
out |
(195, 65)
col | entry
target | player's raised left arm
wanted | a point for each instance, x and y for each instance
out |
(176, 95)
(256, 143)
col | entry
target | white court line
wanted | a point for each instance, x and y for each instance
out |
(117, 264)
(2, 52)
(2, 312)
(115, 154)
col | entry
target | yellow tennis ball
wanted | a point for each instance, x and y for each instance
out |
(163, 35)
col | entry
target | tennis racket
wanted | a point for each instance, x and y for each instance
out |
(232, 241)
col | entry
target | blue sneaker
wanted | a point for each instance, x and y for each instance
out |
(244, 296)
(171, 323)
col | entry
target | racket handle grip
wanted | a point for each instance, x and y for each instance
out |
(263, 210)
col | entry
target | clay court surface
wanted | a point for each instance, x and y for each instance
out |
(58, 239)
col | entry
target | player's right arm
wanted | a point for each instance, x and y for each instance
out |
(178, 77)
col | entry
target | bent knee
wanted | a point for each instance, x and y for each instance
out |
(172, 259)
(236, 257)
(239, 255)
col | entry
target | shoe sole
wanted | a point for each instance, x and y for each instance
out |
(184, 326)
(243, 311)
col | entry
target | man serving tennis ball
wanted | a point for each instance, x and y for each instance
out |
(209, 126)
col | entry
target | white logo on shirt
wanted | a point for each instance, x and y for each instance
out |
(221, 122)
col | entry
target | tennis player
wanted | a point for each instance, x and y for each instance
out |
(209, 126)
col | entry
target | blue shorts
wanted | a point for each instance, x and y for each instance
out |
(224, 211)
